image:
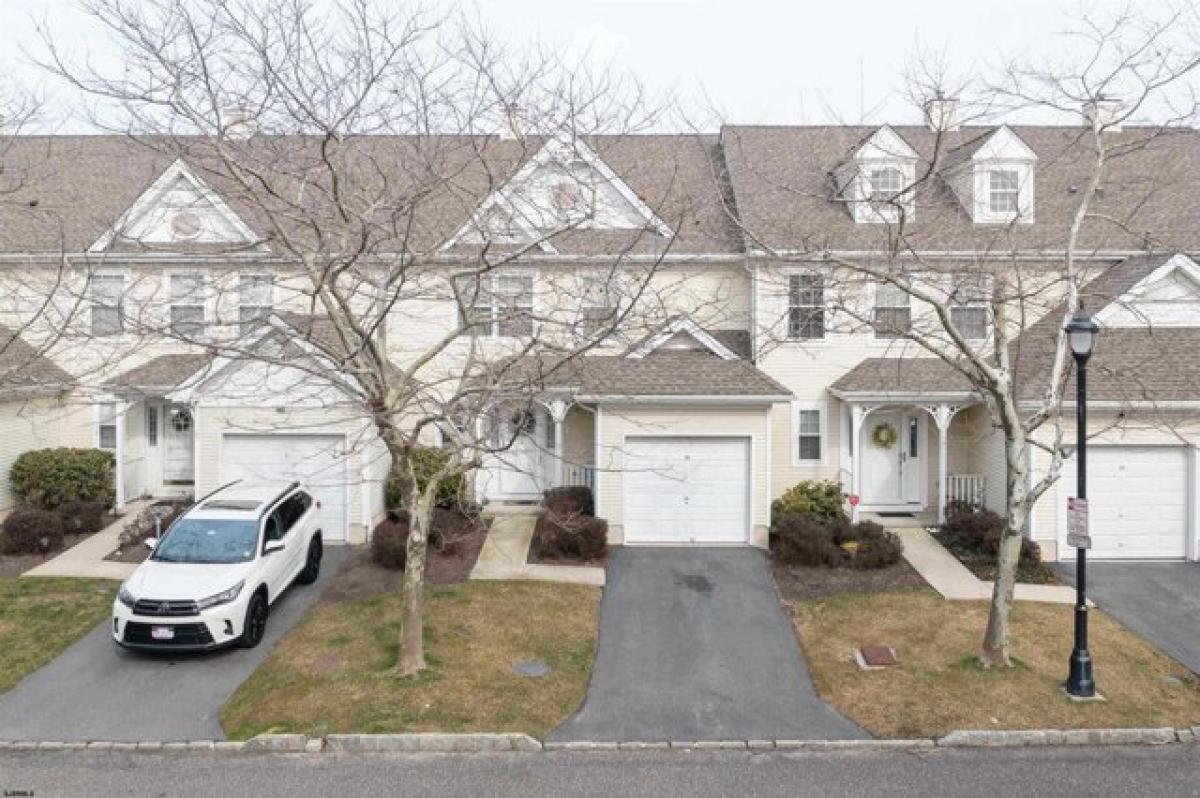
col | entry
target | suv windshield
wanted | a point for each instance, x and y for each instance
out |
(208, 540)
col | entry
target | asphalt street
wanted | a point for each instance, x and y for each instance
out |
(1151, 771)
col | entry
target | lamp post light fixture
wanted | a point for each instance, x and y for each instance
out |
(1081, 337)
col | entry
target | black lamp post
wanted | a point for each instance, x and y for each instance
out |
(1081, 336)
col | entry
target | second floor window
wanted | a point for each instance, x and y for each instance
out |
(107, 292)
(806, 306)
(187, 305)
(893, 311)
(1003, 191)
(969, 306)
(497, 306)
(598, 309)
(254, 300)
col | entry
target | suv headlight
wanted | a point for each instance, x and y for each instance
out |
(224, 597)
(126, 598)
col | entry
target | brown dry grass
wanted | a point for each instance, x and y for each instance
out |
(333, 672)
(938, 687)
(41, 616)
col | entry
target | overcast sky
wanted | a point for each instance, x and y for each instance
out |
(757, 61)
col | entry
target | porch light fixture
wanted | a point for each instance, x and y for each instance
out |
(1081, 336)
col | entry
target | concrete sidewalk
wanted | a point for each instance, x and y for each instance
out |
(955, 582)
(505, 555)
(86, 559)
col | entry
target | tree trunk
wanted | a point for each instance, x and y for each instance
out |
(994, 652)
(412, 640)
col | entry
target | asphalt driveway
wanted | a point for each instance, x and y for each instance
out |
(695, 646)
(1158, 600)
(96, 690)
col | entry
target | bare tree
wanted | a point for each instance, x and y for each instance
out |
(356, 144)
(1018, 362)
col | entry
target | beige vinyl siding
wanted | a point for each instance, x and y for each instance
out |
(25, 425)
(990, 461)
(621, 421)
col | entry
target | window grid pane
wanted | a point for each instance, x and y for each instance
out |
(886, 183)
(106, 294)
(806, 306)
(809, 434)
(971, 321)
(1004, 188)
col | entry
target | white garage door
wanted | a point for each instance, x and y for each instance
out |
(316, 460)
(686, 490)
(1137, 501)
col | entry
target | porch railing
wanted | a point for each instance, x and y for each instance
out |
(578, 475)
(967, 488)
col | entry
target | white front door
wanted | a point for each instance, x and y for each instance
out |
(686, 490)
(519, 472)
(179, 444)
(1138, 500)
(892, 445)
(319, 461)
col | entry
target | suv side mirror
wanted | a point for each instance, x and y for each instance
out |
(273, 546)
(151, 543)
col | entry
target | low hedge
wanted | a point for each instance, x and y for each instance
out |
(976, 533)
(82, 518)
(29, 530)
(569, 501)
(426, 461)
(821, 500)
(578, 537)
(449, 528)
(798, 539)
(48, 478)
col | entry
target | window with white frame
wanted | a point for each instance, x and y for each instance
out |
(497, 306)
(107, 426)
(107, 292)
(892, 312)
(599, 302)
(254, 300)
(1004, 191)
(187, 304)
(806, 306)
(970, 296)
(810, 433)
(886, 183)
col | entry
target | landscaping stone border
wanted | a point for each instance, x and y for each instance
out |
(432, 742)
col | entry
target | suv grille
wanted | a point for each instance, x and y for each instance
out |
(165, 608)
(186, 634)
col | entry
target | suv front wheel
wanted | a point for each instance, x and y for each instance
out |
(312, 562)
(256, 621)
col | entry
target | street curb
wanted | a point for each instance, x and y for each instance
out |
(437, 743)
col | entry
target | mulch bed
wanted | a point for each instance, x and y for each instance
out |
(808, 582)
(361, 578)
(983, 564)
(17, 564)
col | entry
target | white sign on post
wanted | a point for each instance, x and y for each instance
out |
(1077, 524)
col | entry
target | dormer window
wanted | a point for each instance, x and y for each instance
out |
(1004, 191)
(993, 177)
(886, 183)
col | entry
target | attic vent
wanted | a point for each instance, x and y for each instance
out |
(683, 342)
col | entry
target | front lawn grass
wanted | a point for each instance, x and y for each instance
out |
(938, 687)
(41, 616)
(333, 672)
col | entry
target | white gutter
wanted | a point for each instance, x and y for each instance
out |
(686, 399)
(905, 396)
(950, 254)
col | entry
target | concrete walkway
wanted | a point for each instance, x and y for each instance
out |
(955, 582)
(505, 555)
(86, 558)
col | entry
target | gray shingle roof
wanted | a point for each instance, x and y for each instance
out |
(781, 180)
(161, 373)
(25, 370)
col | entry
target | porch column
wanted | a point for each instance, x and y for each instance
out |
(858, 413)
(119, 422)
(942, 415)
(558, 413)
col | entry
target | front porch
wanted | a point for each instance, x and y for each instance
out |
(907, 458)
(553, 445)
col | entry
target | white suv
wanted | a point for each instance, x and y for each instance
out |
(213, 574)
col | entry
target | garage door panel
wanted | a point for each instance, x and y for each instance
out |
(686, 490)
(317, 460)
(1137, 501)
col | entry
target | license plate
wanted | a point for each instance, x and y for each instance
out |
(162, 632)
